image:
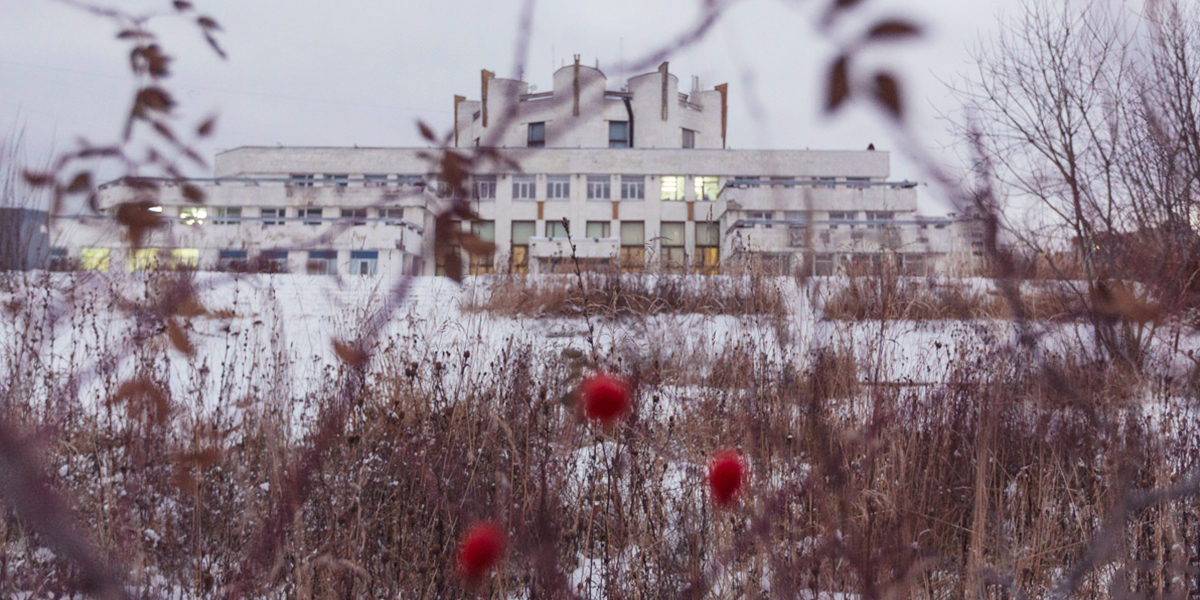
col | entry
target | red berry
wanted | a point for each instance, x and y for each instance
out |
(605, 398)
(726, 473)
(480, 550)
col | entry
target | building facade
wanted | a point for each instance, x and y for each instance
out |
(638, 176)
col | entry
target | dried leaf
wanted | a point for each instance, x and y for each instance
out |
(192, 194)
(887, 93)
(893, 29)
(155, 98)
(476, 246)
(207, 23)
(205, 129)
(838, 89)
(81, 183)
(454, 266)
(215, 46)
(37, 179)
(143, 398)
(139, 219)
(350, 354)
(128, 34)
(426, 131)
(844, 4)
(182, 5)
(179, 338)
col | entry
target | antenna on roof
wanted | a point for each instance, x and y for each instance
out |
(621, 58)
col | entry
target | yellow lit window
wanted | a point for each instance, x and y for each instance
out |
(93, 259)
(185, 258)
(672, 187)
(706, 187)
(193, 215)
(145, 259)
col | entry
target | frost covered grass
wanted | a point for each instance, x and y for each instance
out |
(891, 457)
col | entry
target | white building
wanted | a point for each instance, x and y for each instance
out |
(640, 174)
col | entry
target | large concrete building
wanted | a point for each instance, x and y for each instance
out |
(640, 174)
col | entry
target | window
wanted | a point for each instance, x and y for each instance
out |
(337, 179)
(193, 215)
(708, 247)
(877, 219)
(231, 260)
(598, 229)
(322, 262)
(483, 264)
(60, 259)
(633, 187)
(485, 187)
(375, 180)
(706, 187)
(300, 179)
(185, 259)
(311, 216)
(392, 216)
(228, 215)
(633, 246)
(689, 138)
(558, 187)
(440, 188)
(273, 216)
(618, 134)
(537, 135)
(364, 262)
(522, 231)
(556, 229)
(828, 182)
(672, 245)
(356, 216)
(93, 259)
(524, 187)
(673, 187)
(144, 259)
(857, 182)
(841, 218)
(761, 217)
(274, 261)
(597, 187)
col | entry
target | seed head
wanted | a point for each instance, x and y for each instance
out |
(605, 398)
(480, 551)
(726, 473)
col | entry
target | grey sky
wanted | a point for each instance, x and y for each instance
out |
(363, 72)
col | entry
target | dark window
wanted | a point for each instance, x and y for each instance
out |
(689, 138)
(356, 216)
(618, 134)
(537, 135)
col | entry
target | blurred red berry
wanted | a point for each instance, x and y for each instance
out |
(480, 550)
(605, 398)
(726, 473)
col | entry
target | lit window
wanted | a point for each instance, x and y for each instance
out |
(706, 187)
(598, 187)
(633, 246)
(598, 229)
(522, 231)
(558, 187)
(93, 259)
(618, 134)
(485, 187)
(483, 264)
(672, 187)
(228, 215)
(524, 187)
(273, 216)
(143, 259)
(185, 259)
(689, 138)
(193, 215)
(672, 244)
(633, 187)
(537, 135)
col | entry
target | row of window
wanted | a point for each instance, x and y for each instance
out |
(233, 215)
(618, 135)
(317, 262)
(848, 219)
(524, 187)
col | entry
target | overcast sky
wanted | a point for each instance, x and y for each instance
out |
(362, 72)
